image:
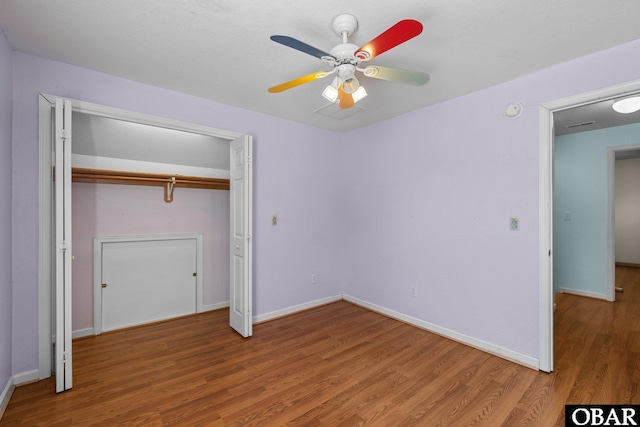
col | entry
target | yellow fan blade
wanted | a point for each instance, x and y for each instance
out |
(346, 100)
(297, 82)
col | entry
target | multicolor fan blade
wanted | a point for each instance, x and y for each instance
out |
(414, 78)
(301, 46)
(297, 82)
(346, 100)
(395, 35)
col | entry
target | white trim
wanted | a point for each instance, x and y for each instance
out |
(216, 306)
(545, 203)
(45, 250)
(610, 290)
(82, 333)
(147, 119)
(528, 361)
(295, 309)
(16, 380)
(97, 267)
(6, 396)
(25, 377)
(582, 293)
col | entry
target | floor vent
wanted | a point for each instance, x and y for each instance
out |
(333, 110)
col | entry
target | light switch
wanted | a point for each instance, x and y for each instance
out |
(274, 220)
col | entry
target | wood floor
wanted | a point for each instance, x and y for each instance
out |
(338, 365)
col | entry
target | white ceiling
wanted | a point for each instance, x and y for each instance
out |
(220, 50)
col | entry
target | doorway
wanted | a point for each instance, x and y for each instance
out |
(240, 214)
(546, 193)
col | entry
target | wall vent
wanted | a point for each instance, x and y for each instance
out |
(577, 125)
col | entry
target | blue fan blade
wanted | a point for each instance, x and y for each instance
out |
(301, 46)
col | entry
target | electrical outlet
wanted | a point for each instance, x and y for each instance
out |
(413, 291)
(274, 220)
(514, 224)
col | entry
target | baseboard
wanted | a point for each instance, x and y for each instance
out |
(582, 293)
(25, 377)
(528, 361)
(216, 306)
(627, 264)
(82, 333)
(294, 309)
(90, 331)
(16, 380)
(6, 396)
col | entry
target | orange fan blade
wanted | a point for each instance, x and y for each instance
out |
(395, 35)
(297, 82)
(346, 100)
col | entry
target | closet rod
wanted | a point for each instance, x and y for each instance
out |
(150, 179)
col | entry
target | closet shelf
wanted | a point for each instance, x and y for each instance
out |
(168, 181)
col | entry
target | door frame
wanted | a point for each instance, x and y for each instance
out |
(545, 145)
(45, 247)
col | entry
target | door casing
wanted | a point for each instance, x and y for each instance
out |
(45, 247)
(546, 137)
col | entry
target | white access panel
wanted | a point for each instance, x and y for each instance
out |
(146, 280)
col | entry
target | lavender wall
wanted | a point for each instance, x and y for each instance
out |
(422, 200)
(295, 175)
(127, 210)
(5, 210)
(435, 191)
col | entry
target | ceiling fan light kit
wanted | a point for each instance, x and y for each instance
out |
(345, 60)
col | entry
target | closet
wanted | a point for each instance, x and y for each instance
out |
(137, 191)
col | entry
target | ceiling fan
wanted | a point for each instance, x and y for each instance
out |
(346, 58)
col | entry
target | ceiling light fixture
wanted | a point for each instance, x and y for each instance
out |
(331, 92)
(346, 58)
(359, 94)
(627, 105)
(349, 81)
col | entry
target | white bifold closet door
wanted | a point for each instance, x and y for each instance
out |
(147, 281)
(61, 154)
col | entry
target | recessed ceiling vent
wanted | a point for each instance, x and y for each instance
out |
(334, 111)
(577, 125)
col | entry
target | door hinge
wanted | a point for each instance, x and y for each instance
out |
(248, 236)
(248, 159)
(64, 247)
(104, 285)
